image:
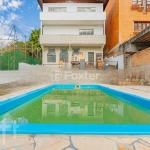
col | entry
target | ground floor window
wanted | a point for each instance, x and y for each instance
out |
(51, 55)
(75, 51)
(64, 54)
(141, 25)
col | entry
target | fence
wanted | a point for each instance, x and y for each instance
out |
(10, 60)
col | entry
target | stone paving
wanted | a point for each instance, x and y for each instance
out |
(77, 142)
(74, 142)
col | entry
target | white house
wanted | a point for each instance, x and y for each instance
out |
(69, 29)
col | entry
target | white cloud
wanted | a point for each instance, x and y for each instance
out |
(5, 24)
(10, 4)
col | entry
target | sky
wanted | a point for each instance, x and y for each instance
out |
(23, 13)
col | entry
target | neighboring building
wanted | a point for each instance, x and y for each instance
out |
(124, 20)
(69, 28)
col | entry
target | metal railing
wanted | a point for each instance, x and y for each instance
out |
(70, 65)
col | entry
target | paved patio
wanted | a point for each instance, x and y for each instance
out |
(76, 142)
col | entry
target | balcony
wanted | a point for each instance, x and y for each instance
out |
(140, 8)
(65, 40)
(64, 18)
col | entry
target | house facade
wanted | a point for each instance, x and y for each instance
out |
(125, 19)
(70, 29)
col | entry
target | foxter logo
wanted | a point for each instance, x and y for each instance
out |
(55, 75)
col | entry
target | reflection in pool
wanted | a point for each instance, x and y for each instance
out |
(78, 107)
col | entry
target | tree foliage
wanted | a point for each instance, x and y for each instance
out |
(31, 47)
(34, 38)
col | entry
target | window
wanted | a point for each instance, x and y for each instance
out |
(141, 25)
(137, 2)
(75, 51)
(64, 54)
(64, 50)
(57, 9)
(86, 31)
(51, 55)
(86, 9)
(51, 50)
(140, 2)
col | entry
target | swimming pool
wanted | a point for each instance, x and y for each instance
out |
(75, 109)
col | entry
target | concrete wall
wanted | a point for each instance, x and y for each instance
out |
(119, 59)
(70, 30)
(72, 7)
(37, 74)
(78, 40)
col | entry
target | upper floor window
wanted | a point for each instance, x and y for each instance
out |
(137, 2)
(57, 9)
(86, 31)
(86, 9)
(140, 2)
(141, 25)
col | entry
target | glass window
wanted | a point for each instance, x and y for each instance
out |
(148, 24)
(75, 51)
(144, 26)
(141, 25)
(135, 26)
(51, 50)
(64, 54)
(51, 58)
(86, 31)
(57, 9)
(51, 55)
(137, 2)
(64, 50)
(86, 9)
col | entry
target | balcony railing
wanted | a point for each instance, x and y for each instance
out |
(140, 8)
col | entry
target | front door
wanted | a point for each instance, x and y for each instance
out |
(91, 57)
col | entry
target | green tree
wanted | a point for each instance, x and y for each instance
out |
(34, 38)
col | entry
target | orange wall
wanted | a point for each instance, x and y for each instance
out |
(112, 24)
(120, 21)
(127, 18)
